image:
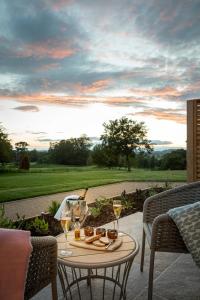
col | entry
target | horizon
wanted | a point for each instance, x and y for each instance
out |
(69, 66)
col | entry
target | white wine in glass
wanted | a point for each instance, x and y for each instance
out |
(65, 223)
(117, 208)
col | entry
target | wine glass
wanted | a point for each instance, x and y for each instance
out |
(117, 208)
(65, 223)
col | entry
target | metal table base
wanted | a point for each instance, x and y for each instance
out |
(118, 275)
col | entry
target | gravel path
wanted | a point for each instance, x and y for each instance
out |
(34, 206)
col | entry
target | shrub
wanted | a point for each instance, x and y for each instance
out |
(21, 223)
(53, 208)
(24, 163)
(95, 211)
(4, 221)
(100, 203)
(39, 225)
(126, 202)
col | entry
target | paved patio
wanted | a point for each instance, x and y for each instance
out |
(176, 276)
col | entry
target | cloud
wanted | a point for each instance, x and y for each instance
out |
(94, 87)
(47, 140)
(73, 100)
(59, 4)
(129, 55)
(28, 108)
(159, 142)
(36, 132)
(49, 49)
(34, 37)
(163, 92)
(164, 114)
(36, 22)
(173, 23)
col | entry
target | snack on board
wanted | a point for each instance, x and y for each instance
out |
(101, 231)
(92, 239)
(89, 231)
(112, 234)
(104, 240)
(98, 244)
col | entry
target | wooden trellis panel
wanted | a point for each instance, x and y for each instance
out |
(193, 140)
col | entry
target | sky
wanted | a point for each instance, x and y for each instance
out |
(66, 67)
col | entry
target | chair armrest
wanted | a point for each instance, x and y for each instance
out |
(165, 236)
(42, 265)
(162, 202)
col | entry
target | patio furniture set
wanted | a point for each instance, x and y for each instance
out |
(87, 265)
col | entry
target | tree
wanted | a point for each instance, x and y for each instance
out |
(103, 156)
(33, 155)
(22, 158)
(175, 160)
(5, 147)
(21, 147)
(145, 160)
(74, 151)
(24, 162)
(125, 136)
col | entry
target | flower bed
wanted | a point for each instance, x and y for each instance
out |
(101, 212)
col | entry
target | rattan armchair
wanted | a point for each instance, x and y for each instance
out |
(42, 266)
(159, 229)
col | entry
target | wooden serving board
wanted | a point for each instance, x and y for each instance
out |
(83, 244)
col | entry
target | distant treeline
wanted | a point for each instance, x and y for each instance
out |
(123, 145)
(68, 153)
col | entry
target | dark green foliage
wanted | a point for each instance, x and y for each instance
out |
(43, 157)
(21, 147)
(146, 161)
(24, 163)
(5, 147)
(74, 151)
(39, 226)
(104, 156)
(22, 158)
(53, 208)
(126, 203)
(4, 221)
(22, 223)
(175, 160)
(33, 155)
(97, 208)
(125, 137)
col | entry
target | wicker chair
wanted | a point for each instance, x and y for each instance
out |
(42, 266)
(159, 229)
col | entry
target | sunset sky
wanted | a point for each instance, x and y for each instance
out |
(66, 67)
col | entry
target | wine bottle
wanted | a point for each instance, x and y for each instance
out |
(77, 230)
(83, 196)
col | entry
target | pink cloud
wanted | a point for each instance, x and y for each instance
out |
(36, 98)
(164, 92)
(96, 86)
(164, 114)
(50, 48)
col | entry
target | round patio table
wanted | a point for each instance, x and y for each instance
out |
(88, 265)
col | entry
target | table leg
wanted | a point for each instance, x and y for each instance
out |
(117, 275)
(90, 283)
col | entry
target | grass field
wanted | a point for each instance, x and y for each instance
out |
(53, 179)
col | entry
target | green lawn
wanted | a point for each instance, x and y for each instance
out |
(52, 179)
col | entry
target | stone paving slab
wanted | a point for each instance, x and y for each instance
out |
(176, 277)
(31, 207)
